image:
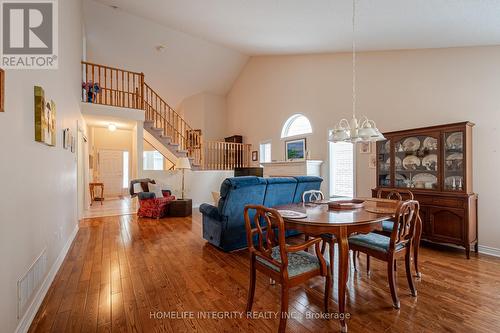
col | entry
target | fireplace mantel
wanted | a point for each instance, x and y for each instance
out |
(292, 168)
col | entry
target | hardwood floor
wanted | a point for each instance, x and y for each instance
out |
(122, 271)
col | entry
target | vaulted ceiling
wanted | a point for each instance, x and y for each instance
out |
(256, 27)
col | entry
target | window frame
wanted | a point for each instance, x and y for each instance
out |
(268, 142)
(288, 123)
(330, 172)
(153, 152)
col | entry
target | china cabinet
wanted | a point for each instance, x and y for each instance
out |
(435, 163)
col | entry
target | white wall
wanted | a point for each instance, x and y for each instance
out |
(187, 66)
(398, 89)
(199, 185)
(38, 200)
(207, 112)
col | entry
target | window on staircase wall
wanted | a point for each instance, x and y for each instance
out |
(298, 124)
(265, 152)
(152, 160)
(341, 169)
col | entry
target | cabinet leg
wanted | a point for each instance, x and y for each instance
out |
(476, 247)
(467, 251)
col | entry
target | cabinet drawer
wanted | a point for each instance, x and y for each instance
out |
(453, 203)
(447, 224)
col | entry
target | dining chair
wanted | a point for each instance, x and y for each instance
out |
(389, 248)
(289, 265)
(398, 194)
(311, 196)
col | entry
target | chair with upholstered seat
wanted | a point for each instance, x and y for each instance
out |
(312, 196)
(287, 264)
(388, 249)
(399, 194)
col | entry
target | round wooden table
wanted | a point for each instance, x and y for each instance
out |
(341, 223)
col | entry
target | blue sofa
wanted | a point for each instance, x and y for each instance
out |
(224, 225)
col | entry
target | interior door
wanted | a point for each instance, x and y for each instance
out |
(111, 172)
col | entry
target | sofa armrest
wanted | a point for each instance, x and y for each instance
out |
(210, 211)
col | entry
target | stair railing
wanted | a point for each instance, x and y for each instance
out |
(226, 155)
(127, 89)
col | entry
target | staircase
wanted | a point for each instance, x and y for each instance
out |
(164, 126)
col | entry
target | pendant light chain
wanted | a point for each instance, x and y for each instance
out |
(364, 129)
(353, 59)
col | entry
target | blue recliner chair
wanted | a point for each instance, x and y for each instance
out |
(224, 225)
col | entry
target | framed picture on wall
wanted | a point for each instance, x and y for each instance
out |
(365, 147)
(255, 155)
(295, 150)
(372, 161)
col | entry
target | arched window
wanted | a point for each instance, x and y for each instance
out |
(296, 125)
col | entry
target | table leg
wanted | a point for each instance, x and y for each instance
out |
(102, 194)
(416, 245)
(343, 245)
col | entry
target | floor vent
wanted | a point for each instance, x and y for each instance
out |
(29, 284)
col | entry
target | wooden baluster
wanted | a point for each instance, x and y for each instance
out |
(142, 90)
(117, 89)
(123, 89)
(128, 89)
(93, 69)
(86, 80)
(111, 87)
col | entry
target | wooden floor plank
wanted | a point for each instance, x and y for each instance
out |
(127, 274)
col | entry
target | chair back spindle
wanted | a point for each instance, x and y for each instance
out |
(395, 194)
(312, 195)
(263, 225)
(404, 224)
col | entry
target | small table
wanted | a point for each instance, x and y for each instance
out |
(180, 208)
(93, 198)
(341, 223)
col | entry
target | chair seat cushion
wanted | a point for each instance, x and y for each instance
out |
(388, 225)
(373, 241)
(298, 262)
(328, 237)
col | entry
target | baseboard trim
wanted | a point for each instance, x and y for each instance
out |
(492, 251)
(29, 315)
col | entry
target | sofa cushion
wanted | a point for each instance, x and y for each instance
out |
(145, 185)
(298, 262)
(237, 192)
(136, 181)
(279, 191)
(306, 183)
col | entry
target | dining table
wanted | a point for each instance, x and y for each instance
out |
(321, 219)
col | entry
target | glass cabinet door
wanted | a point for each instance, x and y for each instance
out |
(454, 161)
(416, 162)
(384, 163)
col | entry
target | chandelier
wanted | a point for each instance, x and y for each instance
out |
(364, 129)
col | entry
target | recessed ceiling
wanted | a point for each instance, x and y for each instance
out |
(303, 26)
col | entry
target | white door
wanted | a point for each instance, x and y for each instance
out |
(111, 172)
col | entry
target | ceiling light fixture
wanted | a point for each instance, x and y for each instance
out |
(364, 129)
(160, 48)
(112, 127)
